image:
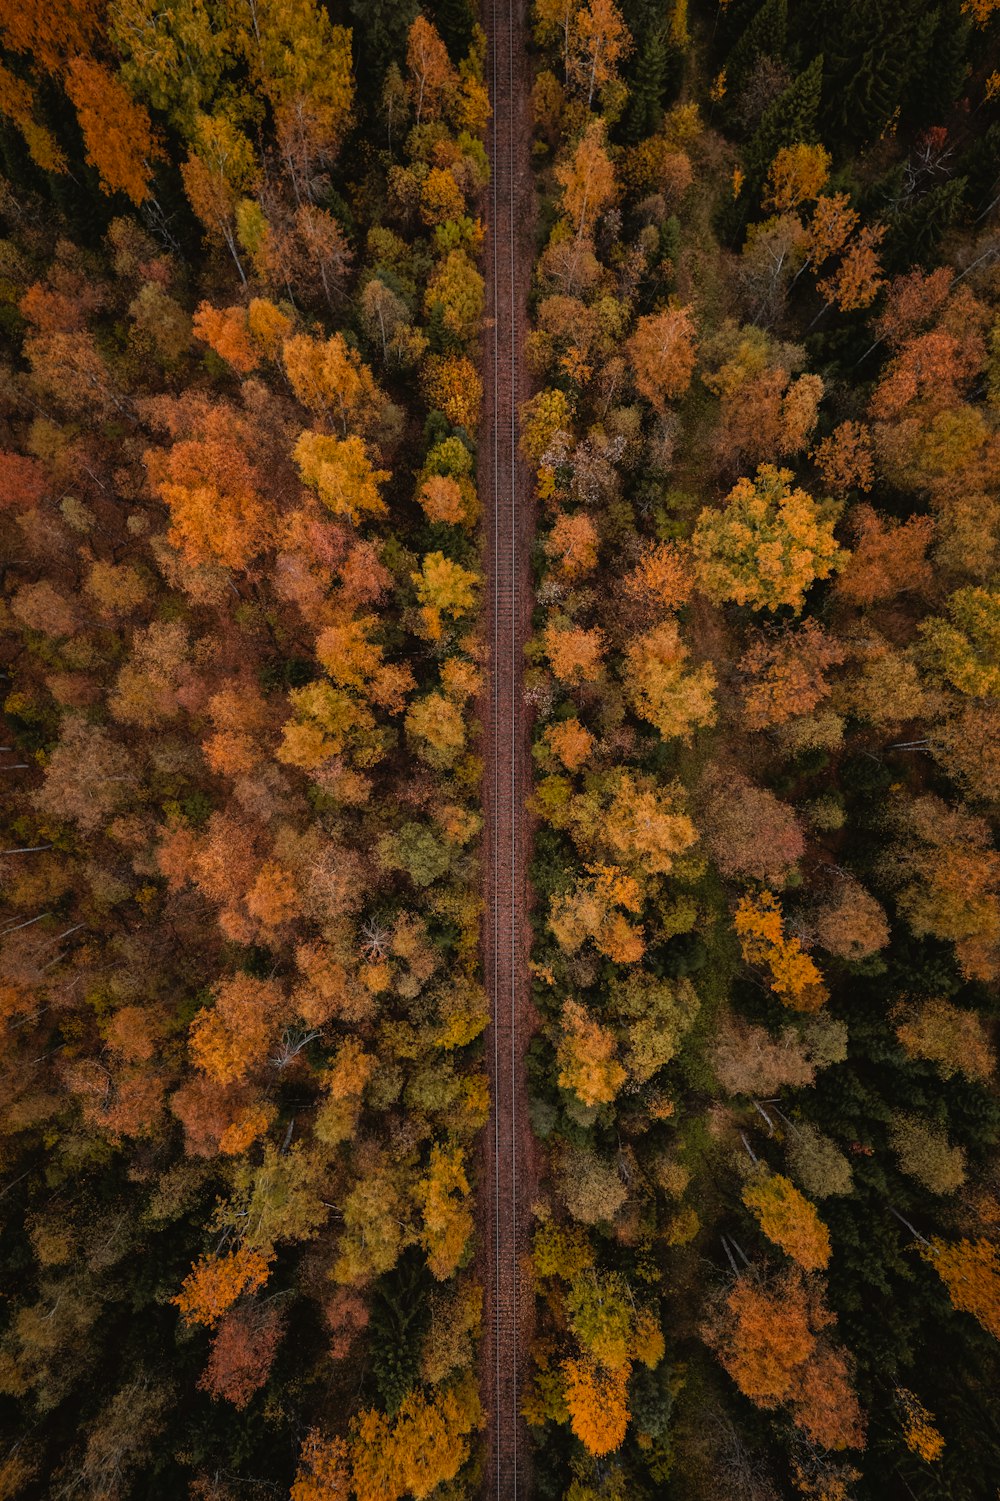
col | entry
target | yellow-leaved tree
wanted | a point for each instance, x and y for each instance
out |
(788, 1218)
(768, 546)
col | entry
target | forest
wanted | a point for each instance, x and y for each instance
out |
(244, 659)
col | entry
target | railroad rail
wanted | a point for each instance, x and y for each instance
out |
(506, 939)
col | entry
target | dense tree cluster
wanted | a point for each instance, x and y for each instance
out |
(240, 968)
(240, 987)
(764, 321)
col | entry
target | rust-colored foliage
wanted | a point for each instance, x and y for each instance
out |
(856, 282)
(750, 832)
(788, 674)
(662, 353)
(770, 1336)
(764, 1334)
(243, 1350)
(218, 508)
(246, 644)
(852, 924)
(116, 130)
(845, 459)
(825, 1405)
(232, 1037)
(889, 558)
(662, 579)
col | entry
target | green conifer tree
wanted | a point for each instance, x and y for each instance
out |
(454, 19)
(645, 103)
(917, 230)
(791, 118)
(766, 36)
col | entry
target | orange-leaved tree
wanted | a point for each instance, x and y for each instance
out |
(117, 133)
(769, 1335)
(586, 1058)
(597, 1402)
(970, 1270)
(662, 353)
(787, 673)
(243, 1350)
(232, 1037)
(576, 653)
(599, 40)
(589, 912)
(587, 179)
(793, 975)
(216, 1282)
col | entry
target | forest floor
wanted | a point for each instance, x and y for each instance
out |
(509, 1162)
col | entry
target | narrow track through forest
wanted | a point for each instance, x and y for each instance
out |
(509, 523)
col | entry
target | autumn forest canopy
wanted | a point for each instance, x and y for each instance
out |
(245, 653)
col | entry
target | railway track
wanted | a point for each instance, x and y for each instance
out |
(508, 571)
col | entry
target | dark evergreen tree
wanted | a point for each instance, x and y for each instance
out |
(937, 84)
(455, 20)
(646, 84)
(980, 164)
(766, 36)
(380, 28)
(791, 118)
(398, 1319)
(876, 51)
(642, 16)
(916, 232)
